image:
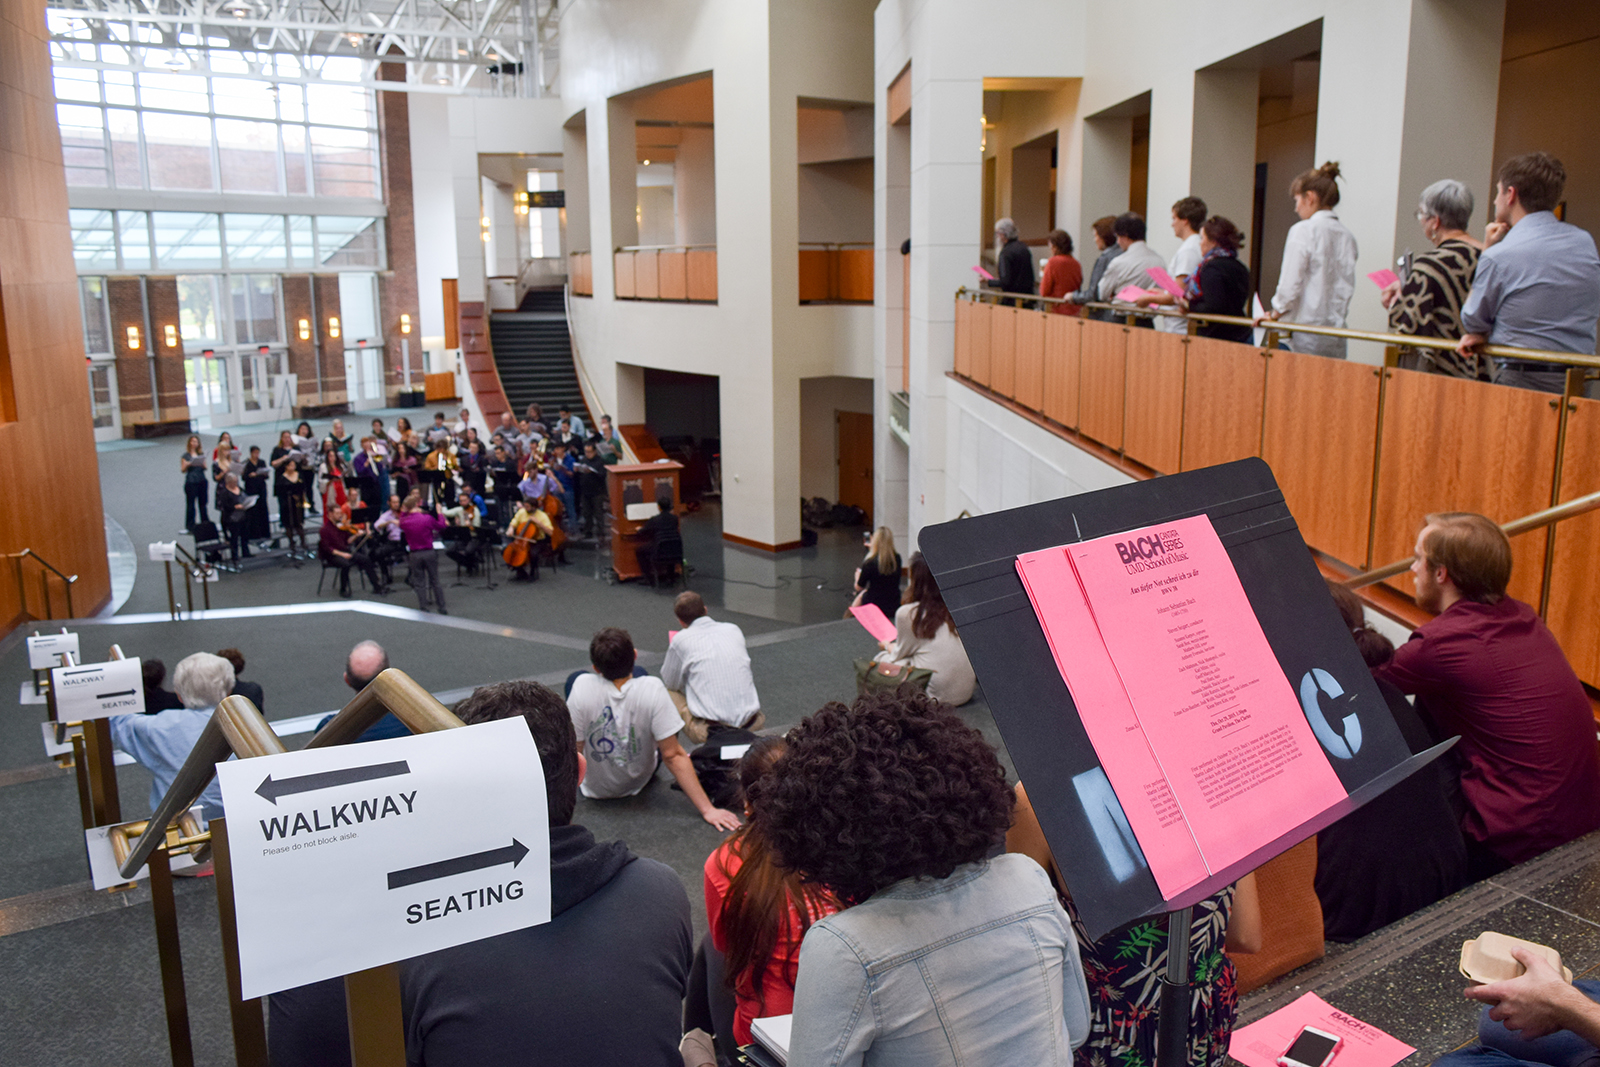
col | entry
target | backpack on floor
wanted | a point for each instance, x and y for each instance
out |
(719, 777)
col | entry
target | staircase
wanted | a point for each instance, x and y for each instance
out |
(533, 353)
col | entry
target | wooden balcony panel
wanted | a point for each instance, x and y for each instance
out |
(963, 353)
(1454, 445)
(1030, 351)
(815, 271)
(646, 278)
(672, 272)
(1574, 578)
(1003, 351)
(1103, 371)
(1318, 436)
(855, 268)
(982, 329)
(1063, 339)
(1153, 431)
(702, 270)
(1225, 387)
(623, 264)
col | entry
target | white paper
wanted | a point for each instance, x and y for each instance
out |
(313, 865)
(641, 512)
(773, 1034)
(1257, 312)
(103, 859)
(98, 690)
(163, 551)
(733, 752)
(44, 650)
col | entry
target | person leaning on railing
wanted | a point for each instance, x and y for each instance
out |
(1105, 239)
(1062, 273)
(1319, 265)
(1427, 303)
(1219, 285)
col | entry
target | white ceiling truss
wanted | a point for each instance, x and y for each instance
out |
(506, 47)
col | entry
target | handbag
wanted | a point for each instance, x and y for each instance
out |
(873, 675)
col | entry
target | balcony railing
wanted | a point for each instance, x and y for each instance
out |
(1362, 453)
(683, 273)
(836, 273)
(580, 273)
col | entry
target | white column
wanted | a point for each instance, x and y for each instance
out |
(694, 180)
(1222, 167)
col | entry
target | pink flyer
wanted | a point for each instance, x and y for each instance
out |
(1263, 1041)
(877, 623)
(1166, 281)
(1129, 294)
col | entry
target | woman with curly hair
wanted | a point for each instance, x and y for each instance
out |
(894, 805)
(758, 912)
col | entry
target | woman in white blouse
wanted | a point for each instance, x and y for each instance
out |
(925, 636)
(1319, 264)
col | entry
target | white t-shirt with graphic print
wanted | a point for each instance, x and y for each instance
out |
(618, 728)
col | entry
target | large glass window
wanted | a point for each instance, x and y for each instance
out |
(96, 315)
(186, 240)
(255, 304)
(133, 239)
(347, 242)
(178, 151)
(358, 307)
(255, 241)
(83, 144)
(198, 313)
(94, 241)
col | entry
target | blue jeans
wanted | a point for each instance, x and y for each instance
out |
(1500, 1047)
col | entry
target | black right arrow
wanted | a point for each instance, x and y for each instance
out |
(511, 854)
(305, 783)
(121, 693)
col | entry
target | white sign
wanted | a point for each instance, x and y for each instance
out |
(162, 551)
(355, 856)
(44, 650)
(103, 870)
(98, 690)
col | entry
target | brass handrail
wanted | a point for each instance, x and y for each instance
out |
(657, 248)
(1549, 516)
(391, 691)
(836, 244)
(44, 583)
(1402, 340)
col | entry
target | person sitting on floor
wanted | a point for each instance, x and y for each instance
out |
(707, 672)
(251, 691)
(1537, 1018)
(161, 742)
(156, 698)
(925, 636)
(628, 726)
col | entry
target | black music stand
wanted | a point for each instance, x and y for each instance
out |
(974, 562)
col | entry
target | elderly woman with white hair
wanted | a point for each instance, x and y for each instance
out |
(161, 742)
(1427, 302)
(1013, 262)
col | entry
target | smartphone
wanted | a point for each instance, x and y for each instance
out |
(1311, 1048)
(866, 539)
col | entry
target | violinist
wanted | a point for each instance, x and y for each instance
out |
(528, 535)
(466, 513)
(388, 543)
(336, 548)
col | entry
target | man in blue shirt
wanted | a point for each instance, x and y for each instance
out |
(161, 742)
(1538, 282)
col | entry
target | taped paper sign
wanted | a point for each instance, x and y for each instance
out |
(44, 650)
(163, 551)
(98, 690)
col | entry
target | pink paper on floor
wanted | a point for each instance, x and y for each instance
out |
(1263, 1041)
(1383, 278)
(877, 623)
(1129, 294)
(1166, 281)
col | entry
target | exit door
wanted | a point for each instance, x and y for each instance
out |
(855, 460)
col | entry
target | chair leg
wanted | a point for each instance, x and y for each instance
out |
(321, 577)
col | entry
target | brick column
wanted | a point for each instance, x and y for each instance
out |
(302, 354)
(162, 294)
(133, 365)
(332, 348)
(397, 286)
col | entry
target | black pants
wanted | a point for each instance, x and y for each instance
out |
(194, 511)
(237, 542)
(425, 575)
(361, 563)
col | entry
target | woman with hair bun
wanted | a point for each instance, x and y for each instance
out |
(1220, 285)
(925, 636)
(1318, 276)
(896, 806)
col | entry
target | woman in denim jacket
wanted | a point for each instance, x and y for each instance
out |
(949, 951)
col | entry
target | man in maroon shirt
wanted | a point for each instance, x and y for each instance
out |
(1487, 668)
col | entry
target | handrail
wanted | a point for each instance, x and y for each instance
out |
(393, 691)
(1402, 340)
(44, 583)
(1547, 517)
(835, 244)
(658, 248)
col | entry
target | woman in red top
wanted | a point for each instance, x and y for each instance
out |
(758, 912)
(1062, 273)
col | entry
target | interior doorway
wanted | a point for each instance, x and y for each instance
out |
(854, 431)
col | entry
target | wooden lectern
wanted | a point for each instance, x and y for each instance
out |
(636, 484)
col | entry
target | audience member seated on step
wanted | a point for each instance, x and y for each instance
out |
(758, 912)
(161, 742)
(1359, 883)
(1536, 1018)
(364, 663)
(1124, 1008)
(619, 939)
(627, 727)
(337, 547)
(877, 579)
(925, 636)
(707, 672)
(1488, 669)
(156, 699)
(609, 443)
(662, 526)
(895, 806)
(251, 691)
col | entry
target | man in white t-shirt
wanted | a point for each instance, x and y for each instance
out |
(1188, 215)
(627, 726)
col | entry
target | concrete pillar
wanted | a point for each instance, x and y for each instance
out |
(891, 457)
(694, 178)
(468, 201)
(1223, 147)
(575, 177)
(622, 154)
(1107, 157)
(397, 286)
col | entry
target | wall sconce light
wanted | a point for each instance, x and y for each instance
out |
(405, 323)
(333, 326)
(521, 197)
(305, 329)
(483, 224)
(133, 338)
(170, 333)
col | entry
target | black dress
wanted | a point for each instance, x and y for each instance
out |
(881, 589)
(257, 520)
(1224, 290)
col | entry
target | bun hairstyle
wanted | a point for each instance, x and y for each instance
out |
(1323, 180)
(1375, 648)
(1223, 233)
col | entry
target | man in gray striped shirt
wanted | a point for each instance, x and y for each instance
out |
(707, 672)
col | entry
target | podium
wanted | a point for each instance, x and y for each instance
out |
(636, 486)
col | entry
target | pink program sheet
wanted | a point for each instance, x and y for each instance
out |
(1263, 1041)
(1195, 724)
(876, 622)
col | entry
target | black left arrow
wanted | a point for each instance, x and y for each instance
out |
(511, 854)
(305, 783)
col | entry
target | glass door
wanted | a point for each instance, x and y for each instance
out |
(208, 383)
(104, 407)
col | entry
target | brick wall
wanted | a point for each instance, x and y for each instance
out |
(397, 286)
(333, 383)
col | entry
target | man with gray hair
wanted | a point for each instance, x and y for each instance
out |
(1427, 302)
(1013, 263)
(161, 742)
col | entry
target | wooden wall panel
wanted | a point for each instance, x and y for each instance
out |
(1318, 437)
(1030, 359)
(1153, 434)
(646, 280)
(982, 314)
(1103, 367)
(672, 270)
(1222, 397)
(1003, 351)
(1574, 578)
(1063, 337)
(1454, 445)
(582, 276)
(963, 353)
(703, 275)
(622, 264)
(855, 274)
(815, 267)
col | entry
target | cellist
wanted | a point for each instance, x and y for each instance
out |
(529, 526)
